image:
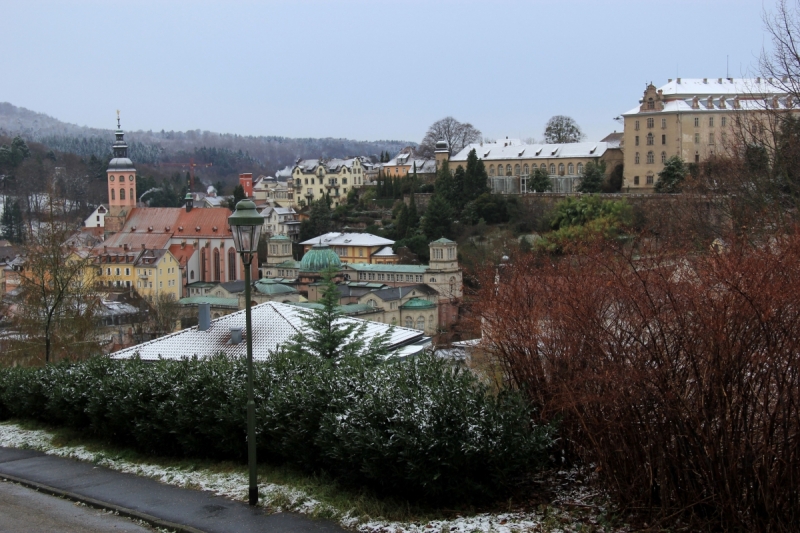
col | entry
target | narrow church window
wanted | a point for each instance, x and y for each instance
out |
(122, 194)
(112, 194)
(663, 157)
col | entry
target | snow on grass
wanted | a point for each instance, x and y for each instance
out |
(278, 498)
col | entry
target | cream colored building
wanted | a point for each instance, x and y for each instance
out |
(690, 118)
(314, 178)
(158, 272)
(510, 162)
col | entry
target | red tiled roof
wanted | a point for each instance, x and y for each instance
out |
(181, 254)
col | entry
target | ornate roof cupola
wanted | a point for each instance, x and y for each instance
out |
(121, 181)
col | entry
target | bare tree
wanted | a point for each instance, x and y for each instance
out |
(782, 64)
(562, 129)
(457, 134)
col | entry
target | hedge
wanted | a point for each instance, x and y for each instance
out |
(416, 429)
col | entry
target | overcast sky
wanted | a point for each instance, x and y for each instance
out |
(364, 70)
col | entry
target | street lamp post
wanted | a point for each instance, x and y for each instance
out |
(246, 224)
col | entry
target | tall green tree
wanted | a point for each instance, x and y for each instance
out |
(328, 334)
(476, 180)
(539, 181)
(320, 220)
(593, 177)
(238, 195)
(671, 176)
(438, 218)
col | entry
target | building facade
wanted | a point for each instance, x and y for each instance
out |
(510, 162)
(692, 119)
(315, 178)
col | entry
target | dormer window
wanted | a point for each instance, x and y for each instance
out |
(651, 104)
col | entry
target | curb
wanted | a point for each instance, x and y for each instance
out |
(97, 504)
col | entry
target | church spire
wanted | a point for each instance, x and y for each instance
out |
(120, 147)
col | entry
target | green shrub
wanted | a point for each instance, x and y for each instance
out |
(416, 429)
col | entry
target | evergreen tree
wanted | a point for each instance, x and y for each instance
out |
(671, 177)
(238, 195)
(396, 190)
(413, 215)
(401, 226)
(320, 220)
(444, 185)
(7, 221)
(329, 335)
(476, 180)
(593, 177)
(438, 218)
(539, 181)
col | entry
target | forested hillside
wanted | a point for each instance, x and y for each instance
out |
(229, 153)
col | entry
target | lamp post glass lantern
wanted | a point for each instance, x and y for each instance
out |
(246, 224)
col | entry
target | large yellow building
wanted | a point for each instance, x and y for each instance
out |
(158, 272)
(314, 178)
(692, 119)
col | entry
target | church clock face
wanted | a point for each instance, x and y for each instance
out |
(111, 178)
(130, 178)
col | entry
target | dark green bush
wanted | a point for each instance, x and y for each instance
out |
(416, 429)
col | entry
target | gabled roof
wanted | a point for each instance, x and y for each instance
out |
(443, 241)
(506, 149)
(181, 253)
(385, 252)
(273, 325)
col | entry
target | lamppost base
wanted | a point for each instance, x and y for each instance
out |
(253, 496)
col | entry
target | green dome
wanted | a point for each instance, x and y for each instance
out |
(319, 258)
(418, 303)
(272, 287)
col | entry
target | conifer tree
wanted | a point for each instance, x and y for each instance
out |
(539, 181)
(593, 177)
(476, 180)
(438, 218)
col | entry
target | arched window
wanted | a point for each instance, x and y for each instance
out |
(516, 173)
(525, 169)
(663, 157)
(649, 139)
(191, 274)
(232, 264)
(122, 194)
(452, 284)
(132, 196)
(430, 322)
(636, 158)
(203, 266)
(421, 323)
(112, 194)
(580, 168)
(371, 303)
(651, 158)
(409, 322)
(561, 169)
(571, 169)
(508, 169)
(216, 264)
(491, 170)
(552, 168)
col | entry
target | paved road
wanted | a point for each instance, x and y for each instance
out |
(186, 510)
(24, 510)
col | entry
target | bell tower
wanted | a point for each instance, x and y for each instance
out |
(121, 183)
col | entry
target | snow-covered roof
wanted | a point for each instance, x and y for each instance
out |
(727, 86)
(349, 239)
(273, 325)
(504, 150)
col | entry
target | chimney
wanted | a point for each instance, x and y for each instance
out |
(203, 317)
(236, 335)
(142, 246)
(705, 80)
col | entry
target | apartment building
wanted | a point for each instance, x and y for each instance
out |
(315, 178)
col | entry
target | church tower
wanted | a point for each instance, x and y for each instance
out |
(121, 184)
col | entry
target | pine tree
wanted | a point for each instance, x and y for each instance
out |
(672, 176)
(457, 194)
(413, 215)
(476, 180)
(438, 218)
(402, 225)
(539, 181)
(593, 177)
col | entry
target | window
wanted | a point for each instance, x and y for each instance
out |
(636, 125)
(409, 322)
(491, 170)
(637, 141)
(580, 168)
(636, 180)
(432, 280)
(696, 122)
(191, 274)
(273, 249)
(650, 122)
(543, 167)
(710, 138)
(561, 169)
(649, 139)
(552, 168)
(651, 158)
(663, 139)
(663, 157)
(649, 179)
(697, 157)
(132, 196)
(508, 169)
(516, 170)
(216, 265)
(421, 323)
(710, 122)
(696, 138)
(108, 271)
(127, 271)
(122, 194)
(525, 169)
(651, 104)
(663, 123)
(723, 121)
(571, 169)
(117, 271)
(112, 194)
(636, 158)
